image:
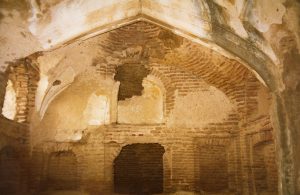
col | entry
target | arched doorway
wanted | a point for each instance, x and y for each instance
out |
(139, 169)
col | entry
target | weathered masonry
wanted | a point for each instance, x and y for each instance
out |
(142, 115)
(149, 97)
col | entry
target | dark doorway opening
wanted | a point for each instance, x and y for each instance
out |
(139, 169)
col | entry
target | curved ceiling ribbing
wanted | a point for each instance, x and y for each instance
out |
(163, 52)
(91, 17)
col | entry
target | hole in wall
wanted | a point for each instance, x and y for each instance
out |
(131, 78)
(56, 82)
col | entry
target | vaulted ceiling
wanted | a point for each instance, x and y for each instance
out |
(237, 26)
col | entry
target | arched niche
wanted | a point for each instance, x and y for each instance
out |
(139, 169)
(148, 108)
(88, 101)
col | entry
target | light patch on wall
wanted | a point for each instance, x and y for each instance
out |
(41, 90)
(144, 109)
(233, 12)
(176, 13)
(80, 17)
(262, 14)
(9, 108)
(200, 108)
(97, 110)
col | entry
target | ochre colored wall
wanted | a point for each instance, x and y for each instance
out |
(215, 116)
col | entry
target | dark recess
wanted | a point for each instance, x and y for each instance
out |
(139, 169)
(131, 78)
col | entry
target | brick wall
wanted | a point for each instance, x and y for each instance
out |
(264, 167)
(218, 158)
(213, 168)
(25, 79)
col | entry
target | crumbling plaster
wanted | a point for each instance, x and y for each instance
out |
(88, 101)
(280, 43)
(200, 108)
(147, 108)
(51, 20)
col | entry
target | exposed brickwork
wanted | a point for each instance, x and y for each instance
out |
(25, 79)
(20, 82)
(221, 157)
(213, 168)
(264, 168)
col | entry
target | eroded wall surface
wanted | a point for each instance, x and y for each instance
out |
(209, 113)
(254, 31)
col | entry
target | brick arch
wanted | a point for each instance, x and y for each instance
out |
(170, 90)
(227, 75)
(142, 42)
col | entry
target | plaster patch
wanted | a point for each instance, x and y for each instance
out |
(97, 110)
(88, 100)
(200, 108)
(16, 41)
(233, 13)
(66, 78)
(262, 14)
(176, 13)
(80, 16)
(41, 91)
(144, 109)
